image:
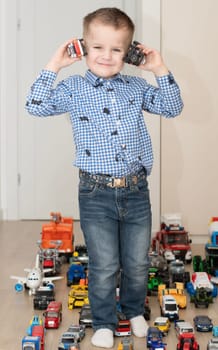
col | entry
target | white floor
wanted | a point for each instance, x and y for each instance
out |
(18, 250)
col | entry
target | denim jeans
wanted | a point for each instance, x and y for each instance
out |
(116, 223)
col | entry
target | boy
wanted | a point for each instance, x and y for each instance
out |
(114, 155)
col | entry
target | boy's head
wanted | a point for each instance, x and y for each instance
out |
(109, 16)
(107, 34)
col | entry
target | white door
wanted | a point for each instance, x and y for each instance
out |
(48, 181)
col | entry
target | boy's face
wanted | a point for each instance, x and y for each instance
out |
(106, 48)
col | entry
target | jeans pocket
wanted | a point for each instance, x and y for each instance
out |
(142, 187)
(86, 187)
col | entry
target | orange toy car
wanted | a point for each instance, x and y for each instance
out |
(59, 229)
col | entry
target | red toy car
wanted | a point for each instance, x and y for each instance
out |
(123, 328)
(187, 341)
(172, 241)
(53, 314)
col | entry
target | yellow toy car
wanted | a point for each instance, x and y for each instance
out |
(163, 324)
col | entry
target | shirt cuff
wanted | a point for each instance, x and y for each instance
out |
(47, 77)
(166, 80)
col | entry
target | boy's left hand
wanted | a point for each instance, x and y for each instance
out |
(153, 61)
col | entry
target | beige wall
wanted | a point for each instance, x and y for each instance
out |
(189, 143)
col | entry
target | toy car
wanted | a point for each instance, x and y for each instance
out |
(201, 280)
(125, 344)
(169, 307)
(212, 344)
(123, 328)
(203, 323)
(77, 297)
(75, 273)
(183, 327)
(155, 278)
(53, 314)
(67, 341)
(187, 341)
(76, 48)
(177, 272)
(35, 321)
(201, 298)
(134, 55)
(49, 258)
(154, 336)
(59, 229)
(147, 310)
(215, 331)
(172, 241)
(163, 324)
(85, 317)
(80, 254)
(78, 331)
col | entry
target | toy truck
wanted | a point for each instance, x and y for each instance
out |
(49, 258)
(77, 296)
(53, 314)
(172, 241)
(178, 293)
(210, 263)
(31, 343)
(38, 331)
(201, 298)
(59, 229)
(169, 307)
(75, 273)
(43, 296)
(155, 278)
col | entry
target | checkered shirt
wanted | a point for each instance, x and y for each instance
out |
(107, 118)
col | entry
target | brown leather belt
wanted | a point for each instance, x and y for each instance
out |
(115, 182)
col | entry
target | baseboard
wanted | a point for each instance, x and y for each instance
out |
(199, 239)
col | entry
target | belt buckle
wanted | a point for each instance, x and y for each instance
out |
(118, 182)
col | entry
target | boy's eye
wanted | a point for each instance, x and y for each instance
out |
(97, 47)
(117, 50)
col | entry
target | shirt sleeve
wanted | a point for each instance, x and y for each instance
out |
(44, 100)
(165, 99)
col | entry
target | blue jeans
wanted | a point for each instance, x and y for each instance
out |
(116, 223)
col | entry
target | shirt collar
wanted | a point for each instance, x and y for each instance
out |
(97, 81)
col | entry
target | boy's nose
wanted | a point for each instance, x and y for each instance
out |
(107, 54)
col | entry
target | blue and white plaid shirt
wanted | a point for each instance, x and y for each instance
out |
(107, 117)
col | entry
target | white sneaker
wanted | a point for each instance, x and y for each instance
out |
(139, 326)
(103, 338)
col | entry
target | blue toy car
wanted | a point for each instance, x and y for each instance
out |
(215, 331)
(154, 336)
(75, 273)
(203, 323)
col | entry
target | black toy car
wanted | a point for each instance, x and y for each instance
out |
(203, 323)
(134, 54)
(43, 296)
(85, 317)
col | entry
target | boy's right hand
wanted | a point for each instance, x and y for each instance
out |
(61, 58)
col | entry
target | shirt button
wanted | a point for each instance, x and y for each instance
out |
(106, 110)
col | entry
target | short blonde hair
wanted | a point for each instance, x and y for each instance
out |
(109, 16)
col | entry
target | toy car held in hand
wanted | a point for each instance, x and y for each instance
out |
(76, 48)
(134, 54)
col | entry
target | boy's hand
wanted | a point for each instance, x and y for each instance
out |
(61, 58)
(153, 61)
